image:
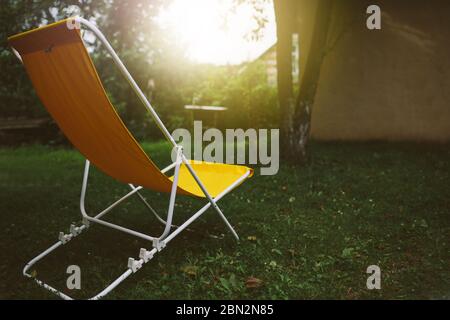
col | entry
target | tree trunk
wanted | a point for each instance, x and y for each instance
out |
(295, 114)
(285, 16)
(309, 81)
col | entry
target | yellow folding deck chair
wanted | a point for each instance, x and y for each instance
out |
(68, 85)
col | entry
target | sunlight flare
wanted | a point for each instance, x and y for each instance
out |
(218, 32)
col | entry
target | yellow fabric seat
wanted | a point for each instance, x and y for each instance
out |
(216, 177)
(66, 81)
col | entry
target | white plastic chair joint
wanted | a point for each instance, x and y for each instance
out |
(74, 230)
(134, 264)
(64, 238)
(85, 222)
(159, 244)
(146, 255)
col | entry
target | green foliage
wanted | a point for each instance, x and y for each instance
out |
(244, 90)
(158, 65)
(17, 97)
(250, 99)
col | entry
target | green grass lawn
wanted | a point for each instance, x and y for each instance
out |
(307, 233)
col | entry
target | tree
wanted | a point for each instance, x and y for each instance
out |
(17, 16)
(311, 20)
(16, 93)
(320, 24)
(128, 24)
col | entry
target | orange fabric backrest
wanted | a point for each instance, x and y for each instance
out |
(68, 85)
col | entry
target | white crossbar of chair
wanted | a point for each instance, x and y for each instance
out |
(120, 228)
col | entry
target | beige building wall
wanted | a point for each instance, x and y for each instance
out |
(388, 84)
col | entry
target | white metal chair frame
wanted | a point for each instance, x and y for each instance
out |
(158, 243)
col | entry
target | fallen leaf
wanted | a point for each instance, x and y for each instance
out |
(253, 282)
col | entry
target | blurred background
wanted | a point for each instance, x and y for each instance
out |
(310, 68)
(180, 53)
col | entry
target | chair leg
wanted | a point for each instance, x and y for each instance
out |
(63, 238)
(144, 255)
(217, 209)
(133, 266)
(208, 196)
(173, 194)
